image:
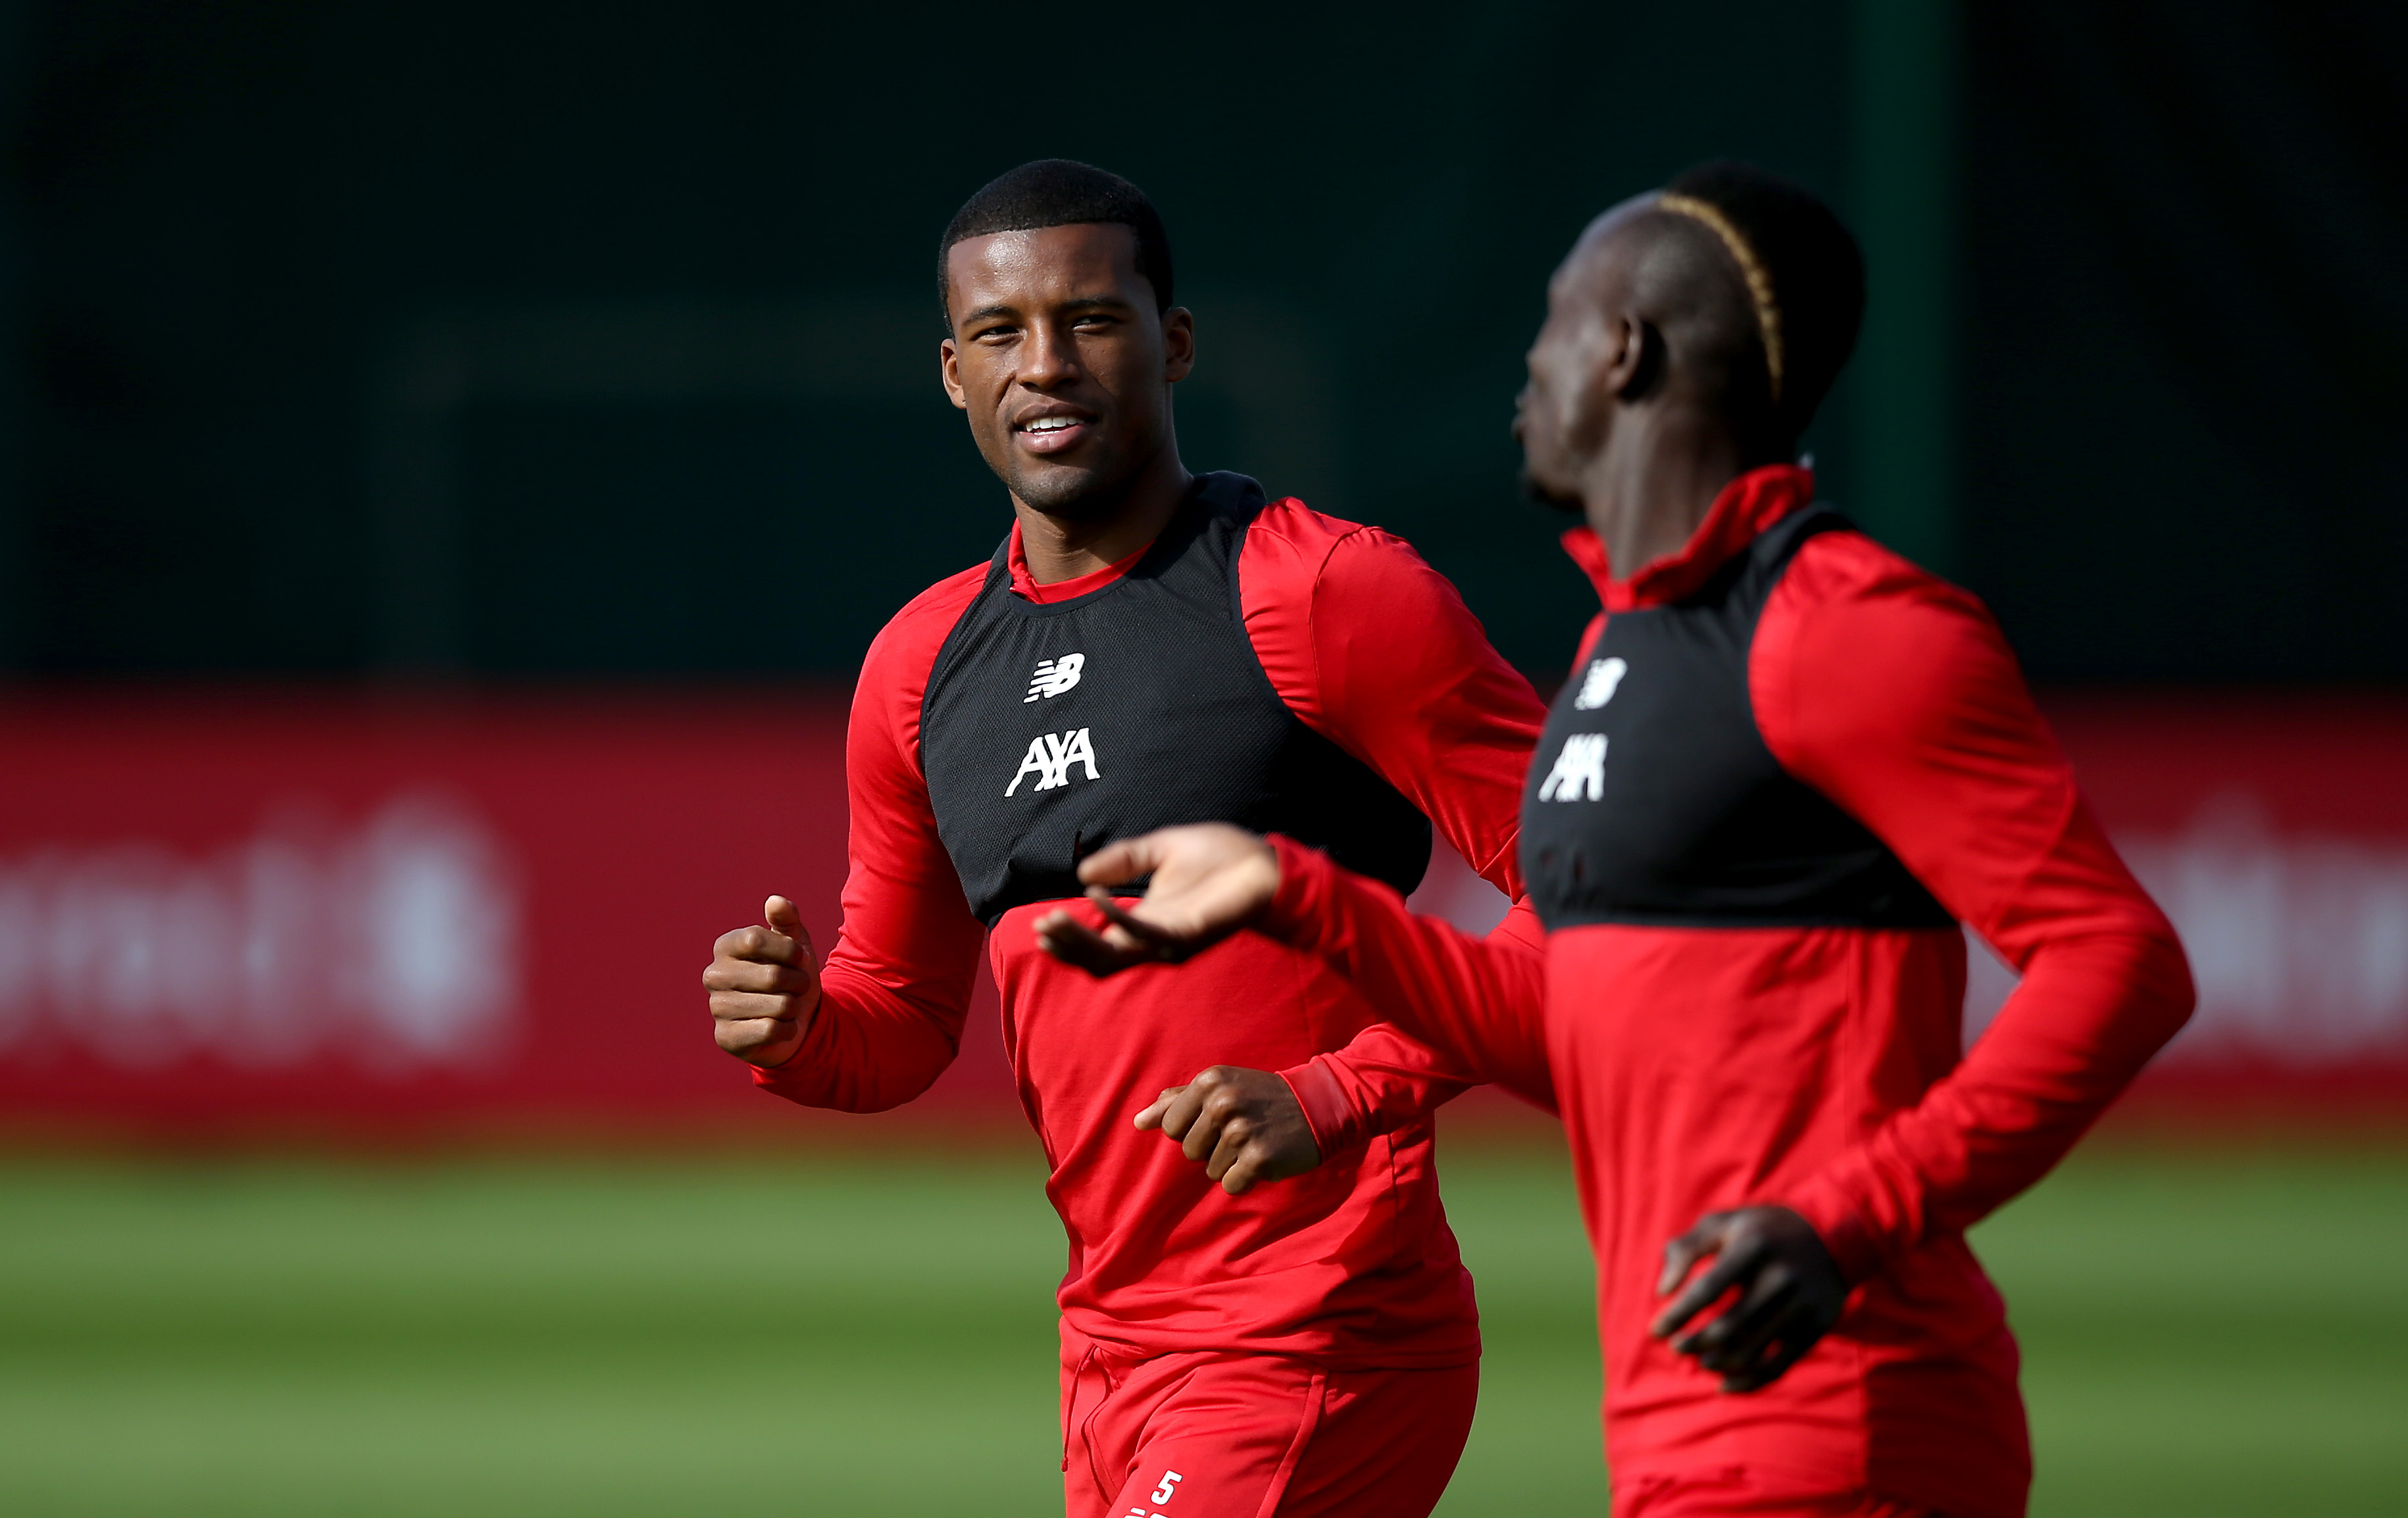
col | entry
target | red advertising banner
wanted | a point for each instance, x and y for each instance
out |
(2273, 829)
(355, 912)
(393, 915)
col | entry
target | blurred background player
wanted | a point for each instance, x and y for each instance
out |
(1788, 763)
(1148, 648)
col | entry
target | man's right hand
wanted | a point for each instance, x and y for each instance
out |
(765, 986)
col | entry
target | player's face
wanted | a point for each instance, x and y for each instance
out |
(1061, 361)
(1553, 419)
(1566, 407)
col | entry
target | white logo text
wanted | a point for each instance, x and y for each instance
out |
(1579, 769)
(1050, 757)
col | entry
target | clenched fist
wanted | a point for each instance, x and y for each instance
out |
(1245, 1125)
(765, 986)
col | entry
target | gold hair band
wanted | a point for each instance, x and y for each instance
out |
(1759, 281)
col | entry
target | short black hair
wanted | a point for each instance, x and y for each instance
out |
(1061, 191)
(1816, 270)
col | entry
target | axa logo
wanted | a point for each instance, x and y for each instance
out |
(1050, 757)
(1599, 684)
(1578, 774)
(1055, 676)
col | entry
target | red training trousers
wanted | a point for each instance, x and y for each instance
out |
(1254, 1436)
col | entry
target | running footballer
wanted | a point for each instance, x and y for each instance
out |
(1786, 766)
(1145, 647)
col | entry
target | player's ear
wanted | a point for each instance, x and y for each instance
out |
(949, 366)
(1178, 344)
(1635, 357)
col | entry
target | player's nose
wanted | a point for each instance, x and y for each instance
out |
(1049, 359)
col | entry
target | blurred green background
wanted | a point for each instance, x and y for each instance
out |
(2205, 1333)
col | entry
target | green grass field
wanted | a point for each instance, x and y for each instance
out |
(2204, 1335)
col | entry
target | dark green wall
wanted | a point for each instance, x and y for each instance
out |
(265, 236)
(531, 338)
(2187, 266)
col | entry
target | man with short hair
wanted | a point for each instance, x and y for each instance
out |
(1787, 765)
(1149, 648)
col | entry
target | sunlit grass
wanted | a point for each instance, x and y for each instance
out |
(2204, 1335)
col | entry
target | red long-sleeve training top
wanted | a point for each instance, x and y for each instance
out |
(1703, 1068)
(1353, 1263)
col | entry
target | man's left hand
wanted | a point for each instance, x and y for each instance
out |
(1246, 1125)
(1790, 1293)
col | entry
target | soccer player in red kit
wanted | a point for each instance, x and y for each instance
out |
(1149, 648)
(1787, 765)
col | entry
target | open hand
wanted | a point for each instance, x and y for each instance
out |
(1209, 879)
(765, 986)
(1246, 1125)
(1790, 1293)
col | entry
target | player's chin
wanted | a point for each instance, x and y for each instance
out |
(1069, 484)
(1536, 487)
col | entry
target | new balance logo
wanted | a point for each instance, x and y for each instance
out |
(1598, 685)
(1050, 757)
(1578, 774)
(1055, 676)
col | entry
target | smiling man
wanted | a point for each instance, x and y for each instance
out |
(1148, 648)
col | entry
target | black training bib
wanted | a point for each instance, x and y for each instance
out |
(1653, 799)
(1047, 732)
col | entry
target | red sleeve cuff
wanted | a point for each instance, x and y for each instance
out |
(1840, 1225)
(1337, 1127)
(775, 1077)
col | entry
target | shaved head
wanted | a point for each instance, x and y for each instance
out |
(1648, 310)
(1731, 295)
(1691, 332)
(1675, 273)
